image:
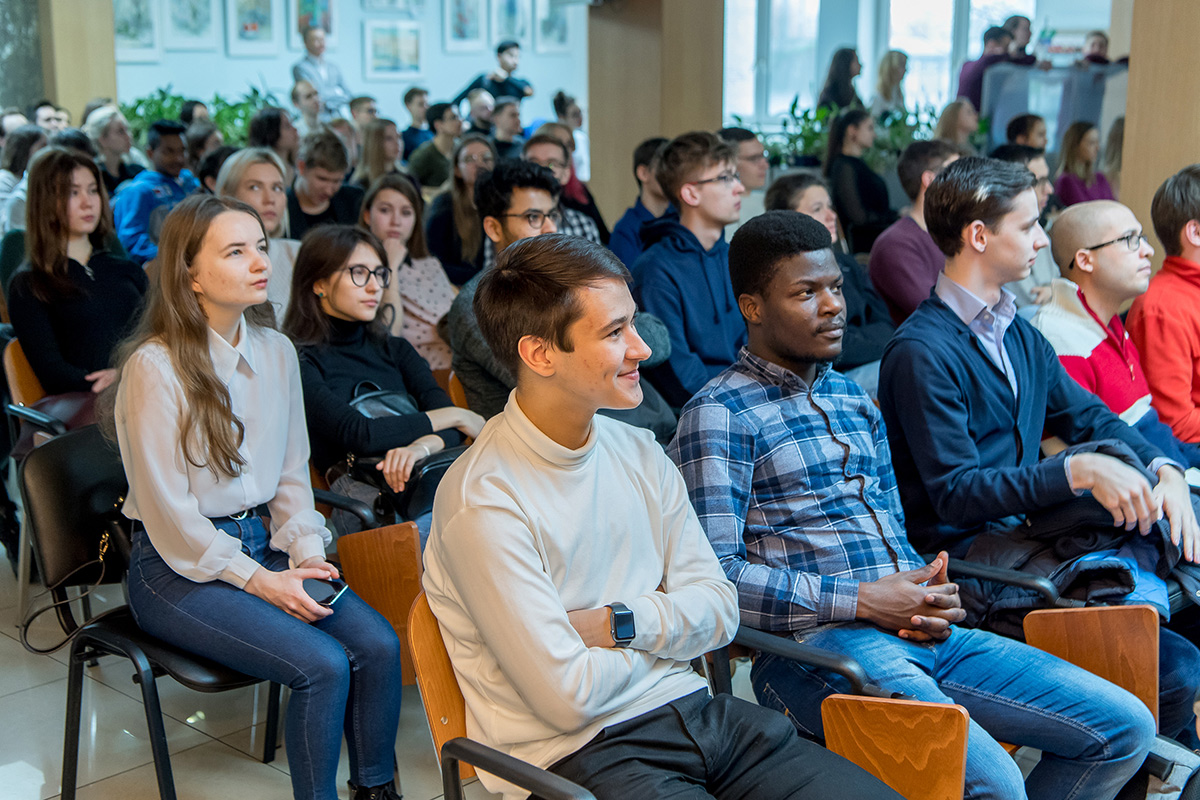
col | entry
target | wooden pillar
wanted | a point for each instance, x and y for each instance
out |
(78, 55)
(1120, 28)
(655, 68)
(1162, 117)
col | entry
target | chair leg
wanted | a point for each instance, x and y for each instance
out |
(271, 740)
(24, 568)
(154, 724)
(70, 770)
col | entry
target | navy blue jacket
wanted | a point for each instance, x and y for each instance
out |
(964, 450)
(688, 288)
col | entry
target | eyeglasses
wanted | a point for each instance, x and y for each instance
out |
(537, 219)
(727, 178)
(551, 164)
(359, 275)
(1133, 242)
(486, 159)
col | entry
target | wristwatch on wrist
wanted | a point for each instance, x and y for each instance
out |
(620, 622)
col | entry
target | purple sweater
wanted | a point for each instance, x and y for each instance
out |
(904, 266)
(1071, 189)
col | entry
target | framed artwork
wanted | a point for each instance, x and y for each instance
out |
(412, 9)
(191, 25)
(391, 50)
(465, 25)
(253, 27)
(306, 14)
(550, 27)
(511, 19)
(137, 31)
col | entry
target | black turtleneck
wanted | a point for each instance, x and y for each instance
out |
(332, 370)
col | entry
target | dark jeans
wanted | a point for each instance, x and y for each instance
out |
(343, 670)
(726, 748)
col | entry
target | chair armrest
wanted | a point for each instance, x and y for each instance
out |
(836, 663)
(1012, 577)
(533, 779)
(358, 508)
(39, 419)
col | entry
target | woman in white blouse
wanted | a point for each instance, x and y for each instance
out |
(210, 421)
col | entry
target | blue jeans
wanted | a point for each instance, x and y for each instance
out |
(1093, 735)
(343, 670)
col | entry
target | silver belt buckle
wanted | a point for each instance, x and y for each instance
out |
(240, 515)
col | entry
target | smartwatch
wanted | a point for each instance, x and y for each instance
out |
(620, 622)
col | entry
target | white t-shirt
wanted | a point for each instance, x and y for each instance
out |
(524, 530)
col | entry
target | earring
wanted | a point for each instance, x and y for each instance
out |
(320, 294)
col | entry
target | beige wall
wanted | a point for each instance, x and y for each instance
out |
(1162, 117)
(78, 61)
(1120, 28)
(655, 68)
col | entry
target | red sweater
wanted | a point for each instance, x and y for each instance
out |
(1165, 326)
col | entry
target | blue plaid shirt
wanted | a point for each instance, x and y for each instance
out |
(794, 487)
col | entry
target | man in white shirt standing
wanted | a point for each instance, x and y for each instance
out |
(570, 576)
(324, 75)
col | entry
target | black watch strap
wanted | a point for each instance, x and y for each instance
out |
(621, 625)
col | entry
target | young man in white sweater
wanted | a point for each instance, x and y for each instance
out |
(570, 576)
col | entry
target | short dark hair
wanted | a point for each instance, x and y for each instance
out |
(1017, 153)
(533, 291)
(18, 148)
(687, 155)
(545, 138)
(1175, 204)
(413, 93)
(323, 149)
(210, 165)
(996, 34)
(436, 112)
(971, 189)
(187, 111)
(644, 153)
(360, 101)
(1021, 125)
(784, 192)
(737, 135)
(763, 241)
(265, 127)
(33, 109)
(494, 190)
(160, 128)
(1012, 22)
(506, 45)
(504, 102)
(919, 158)
(73, 139)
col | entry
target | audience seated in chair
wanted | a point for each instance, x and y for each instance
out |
(272, 127)
(1078, 179)
(453, 228)
(1105, 260)
(210, 420)
(683, 275)
(570, 578)
(1034, 289)
(652, 203)
(967, 389)
(519, 200)
(382, 149)
(787, 465)
(904, 262)
(416, 101)
(431, 162)
(859, 193)
(506, 133)
(1165, 321)
(73, 301)
(109, 131)
(144, 201)
(576, 196)
(320, 196)
(752, 170)
(868, 325)
(419, 294)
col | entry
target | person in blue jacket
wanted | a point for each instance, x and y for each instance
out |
(626, 239)
(683, 276)
(143, 202)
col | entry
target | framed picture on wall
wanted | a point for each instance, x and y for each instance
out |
(391, 50)
(191, 25)
(511, 19)
(409, 8)
(253, 27)
(137, 31)
(550, 27)
(464, 23)
(305, 14)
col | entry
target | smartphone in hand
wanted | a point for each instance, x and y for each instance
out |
(324, 591)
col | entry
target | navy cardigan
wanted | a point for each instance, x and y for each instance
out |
(965, 451)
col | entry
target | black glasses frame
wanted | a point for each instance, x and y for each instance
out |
(360, 275)
(1133, 241)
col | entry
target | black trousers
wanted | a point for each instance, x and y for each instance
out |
(723, 747)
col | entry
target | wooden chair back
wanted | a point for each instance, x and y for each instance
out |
(917, 748)
(442, 376)
(443, 700)
(456, 391)
(1118, 643)
(23, 385)
(383, 567)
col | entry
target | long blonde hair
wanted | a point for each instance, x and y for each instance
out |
(948, 123)
(210, 433)
(888, 87)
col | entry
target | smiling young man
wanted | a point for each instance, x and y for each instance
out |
(787, 464)
(570, 577)
(143, 202)
(319, 196)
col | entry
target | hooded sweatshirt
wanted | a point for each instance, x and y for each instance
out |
(141, 206)
(688, 288)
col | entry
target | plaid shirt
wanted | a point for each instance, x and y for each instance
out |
(574, 223)
(795, 489)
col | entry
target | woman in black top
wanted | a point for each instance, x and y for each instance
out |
(453, 228)
(337, 286)
(859, 195)
(72, 302)
(839, 92)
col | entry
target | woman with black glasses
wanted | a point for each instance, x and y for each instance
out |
(346, 352)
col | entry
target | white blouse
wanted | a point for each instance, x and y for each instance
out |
(174, 499)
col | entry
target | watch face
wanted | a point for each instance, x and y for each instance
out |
(622, 624)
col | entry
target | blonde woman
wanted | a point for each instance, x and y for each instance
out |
(256, 176)
(889, 89)
(382, 149)
(958, 121)
(109, 131)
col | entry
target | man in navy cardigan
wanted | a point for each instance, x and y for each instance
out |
(967, 389)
